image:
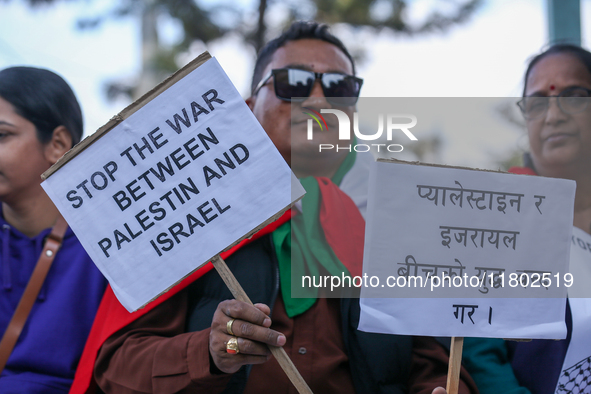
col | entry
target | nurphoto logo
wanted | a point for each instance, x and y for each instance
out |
(394, 122)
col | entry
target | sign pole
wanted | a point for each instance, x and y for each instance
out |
(278, 352)
(455, 364)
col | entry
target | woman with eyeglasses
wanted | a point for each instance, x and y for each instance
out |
(556, 106)
(40, 120)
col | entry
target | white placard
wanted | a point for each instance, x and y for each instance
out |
(181, 179)
(502, 241)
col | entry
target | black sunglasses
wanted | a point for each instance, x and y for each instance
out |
(296, 84)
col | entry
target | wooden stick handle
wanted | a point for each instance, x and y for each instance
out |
(455, 364)
(278, 352)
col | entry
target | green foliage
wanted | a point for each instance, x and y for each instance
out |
(393, 14)
(207, 23)
(513, 158)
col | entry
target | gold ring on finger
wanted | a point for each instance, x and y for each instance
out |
(229, 326)
(232, 346)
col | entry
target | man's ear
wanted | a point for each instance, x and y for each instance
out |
(60, 143)
(250, 102)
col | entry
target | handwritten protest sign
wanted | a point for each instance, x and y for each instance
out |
(466, 253)
(174, 182)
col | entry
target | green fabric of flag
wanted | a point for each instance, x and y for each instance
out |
(301, 242)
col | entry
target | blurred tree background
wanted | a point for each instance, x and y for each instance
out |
(204, 21)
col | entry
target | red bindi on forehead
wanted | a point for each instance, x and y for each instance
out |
(552, 87)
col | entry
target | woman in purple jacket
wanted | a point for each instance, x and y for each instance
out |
(40, 120)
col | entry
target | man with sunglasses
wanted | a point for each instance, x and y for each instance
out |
(201, 340)
(317, 74)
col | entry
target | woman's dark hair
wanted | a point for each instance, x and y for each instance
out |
(297, 31)
(44, 99)
(579, 53)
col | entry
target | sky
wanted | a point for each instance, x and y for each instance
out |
(485, 57)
